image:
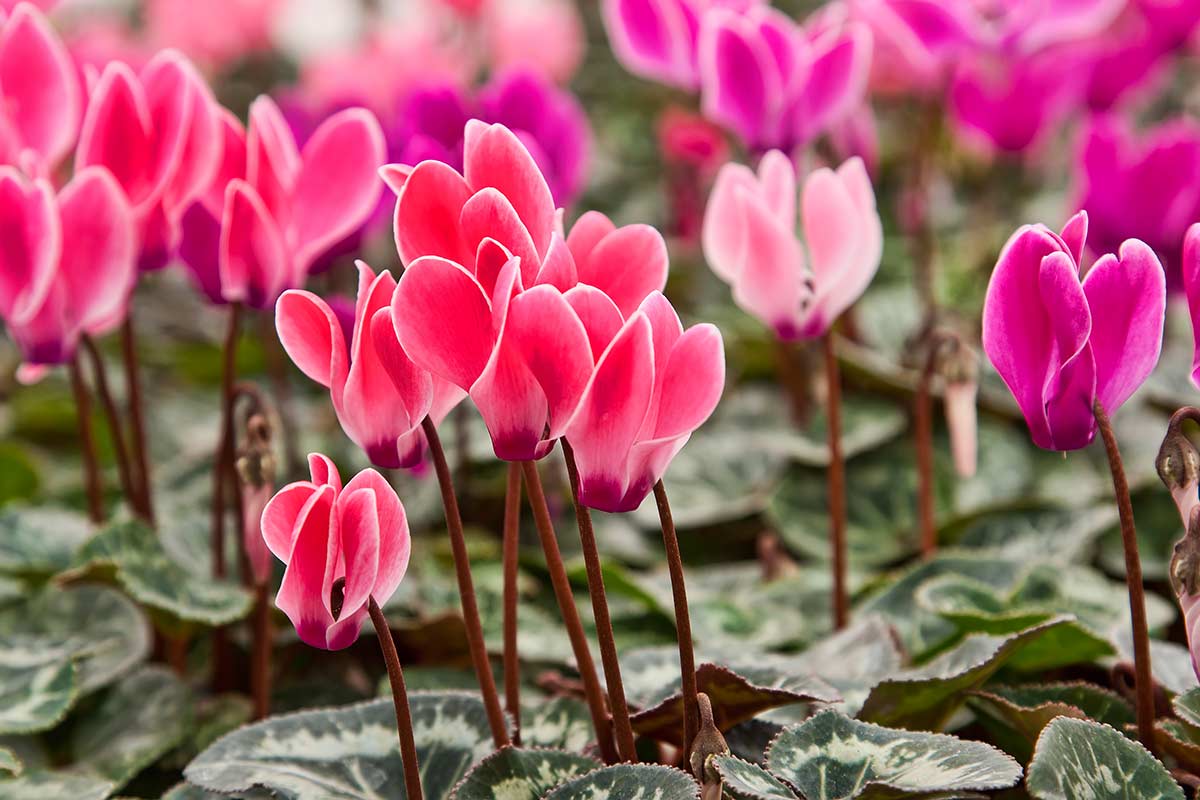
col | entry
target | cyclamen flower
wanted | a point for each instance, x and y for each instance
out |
(1191, 288)
(280, 207)
(379, 395)
(341, 545)
(750, 242)
(67, 262)
(41, 108)
(653, 385)
(916, 42)
(158, 132)
(1063, 344)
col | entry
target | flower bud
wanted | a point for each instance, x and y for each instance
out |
(1178, 466)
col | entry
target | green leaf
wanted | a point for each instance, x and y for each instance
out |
(1027, 710)
(141, 565)
(629, 782)
(9, 762)
(1187, 706)
(1053, 535)
(746, 781)
(1171, 663)
(348, 753)
(1078, 758)
(833, 757)
(186, 791)
(1179, 741)
(561, 722)
(36, 690)
(44, 784)
(38, 542)
(18, 475)
(521, 774)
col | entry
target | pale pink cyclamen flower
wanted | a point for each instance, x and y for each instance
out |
(1062, 344)
(67, 264)
(158, 132)
(242, 27)
(654, 384)
(543, 36)
(273, 208)
(916, 42)
(40, 93)
(342, 546)
(750, 242)
(379, 395)
(488, 301)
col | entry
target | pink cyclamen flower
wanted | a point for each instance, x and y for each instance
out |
(653, 385)
(39, 87)
(254, 502)
(341, 545)
(1062, 344)
(543, 36)
(273, 208)
(1191, 288)
(750, 242)
(379, 395)
(916, 41)
(67, 262)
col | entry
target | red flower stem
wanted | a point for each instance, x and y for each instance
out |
(622, 728)
(260, 668)
(683, 621)
(221, 469)
(133, 390)
(792, 376)
(511, 542)
(923, 438)
(404, 724)
(1143, 676)
(129, 487)
(570, 613)
(466, 589)
(91, 467)
(837, 484)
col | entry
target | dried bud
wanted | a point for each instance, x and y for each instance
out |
(256, 460)
(774, 558)
(958, 366)
(708, 742)
(256, 472)
(1185, 561)
(1178, 466)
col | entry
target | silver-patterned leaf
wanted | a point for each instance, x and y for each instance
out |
(45, 784)
(833, 757)
(746, 781)
(348, 753)
(1079, 759)
(521, 774)
(36, 689)
(1187, 706)
(10, 762)
(854, 659)
(629, 782)
(186, 791)
(38, 542)
(560, 722)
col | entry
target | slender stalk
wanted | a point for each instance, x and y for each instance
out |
(622, 728)
(91, 467)
(1143, 677)
(222, 466)
(260, 668)
(133, 390)
(466, 589)
(512, 663)
(129, 487)
(792, 376)
(837, 484)
(177, 652)
(923, 436)
(570, 614)
(404, 724)
(683, 620)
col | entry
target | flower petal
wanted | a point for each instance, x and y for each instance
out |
(428, 212)
(489, 215)
(394, 541)
(304, 593)
(280, 516)
(312, 336)
(599, 314)
(254, 264)
(118, 134)
(30, 245)
(494, 157)
(628, 264)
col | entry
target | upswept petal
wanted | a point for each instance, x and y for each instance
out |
(586, 233)
(628, 264)
(494, 157)
(304, 593)
(740, 85)
(773, 281)
(281, 514)
(30, 245)
(489, 215)
(254, 264)
(359, 533)
(428, 212)
(651, 39)
(723, 235)
(118, 134)
(395, 543)
(599, 314)
(272, 158)
(1191, 289)
(312, 336)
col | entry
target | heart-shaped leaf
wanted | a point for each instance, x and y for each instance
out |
(629, 782)
(1028, 709)
(1079, 758)
(746, 781)
(521, 774)
(39, 542)
(561, 722)
(9, 762)
(37, 689)
(1187, 706)
(44, 784)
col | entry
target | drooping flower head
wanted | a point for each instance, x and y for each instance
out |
(342, 545)
(798, 289)
(1064, 342)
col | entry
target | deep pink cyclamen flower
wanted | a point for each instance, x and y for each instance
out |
(40, 97)
(158, 132)
(379, 395)
(67, 262)
(653, 385)
(274, 208)
(1063, 344)
(916, 42)
(1191, 288)
(750, 242)
(342, 546)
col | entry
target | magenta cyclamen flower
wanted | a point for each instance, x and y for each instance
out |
(379, 395)
(67, 262)
(280, 207)
(654, 384)
(1063, 344)
(341, 545)
(1191, 288)
(750, 242)
(41, 108)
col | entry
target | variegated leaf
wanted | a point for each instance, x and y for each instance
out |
(45, 784)
(1028, 709)
(348, 753)
(1187, 706)
(38, 542)
(9, 762)
(36, 689)
(1077, 759)
(833, 757)
(560, 722)
(746, 781)
(521, 774)
(629, 782)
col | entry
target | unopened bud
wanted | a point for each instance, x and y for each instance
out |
(708, 742)
(1185, 561)
(958, 366)
(1178, 466)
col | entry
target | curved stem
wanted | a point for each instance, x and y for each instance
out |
(137, 419)
(622, 728)
(570, 614)
(91, 466)
(129, 487)
(837, 484)
(923, 436)
(1143, 676)
(683, 620)
(260, 671)
(511, 542)
(466, 588)
(222, 466)
(404, 724)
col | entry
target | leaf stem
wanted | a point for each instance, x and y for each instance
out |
(1143, 676)
(510, 546)
(222, 468)
(837, 484)
(116, 430)
(91, 468)
(466, 589)
(622, 729)
(404, 724)
(570, 613)
(683, 621)
(133, 390)
(923, 436)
